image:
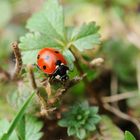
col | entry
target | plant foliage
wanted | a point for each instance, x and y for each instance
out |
(129, 136)
(29, 128)
(17, 119)
(47, 29)
(80, 120)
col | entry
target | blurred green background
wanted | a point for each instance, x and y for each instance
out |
(119, 22)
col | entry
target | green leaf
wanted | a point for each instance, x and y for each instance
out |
(17, 119)
(86, 36)
(20, 129)
(79, 120)
(129, 136)
(84, 105)
(85, 30)
(86, 42)
(96, 119)
(90, 127)
(4, 124)
(29, 128)
(47, 27)
(49, 21)
(81, 134)
(69, 32)
(71, 131)
(32, 128)
(31, 43)
(94, 110)
(70, 58)
(63, 123)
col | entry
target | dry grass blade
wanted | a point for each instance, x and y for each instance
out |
(118, 97)
(122, 115)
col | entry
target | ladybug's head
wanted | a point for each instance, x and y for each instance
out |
(58, 62)
(61, 71)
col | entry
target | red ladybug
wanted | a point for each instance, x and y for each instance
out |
(53, 63)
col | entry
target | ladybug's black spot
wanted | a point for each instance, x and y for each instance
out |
(44, 67)
(38, 56)
(56, 51)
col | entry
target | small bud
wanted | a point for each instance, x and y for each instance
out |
(96, 62)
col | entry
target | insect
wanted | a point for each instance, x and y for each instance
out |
(53, 63)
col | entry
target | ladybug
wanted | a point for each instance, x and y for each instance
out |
(53, 63)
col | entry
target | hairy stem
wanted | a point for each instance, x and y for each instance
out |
(18, 65)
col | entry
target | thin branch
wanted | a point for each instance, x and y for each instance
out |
(18, 65)
(48, 106)
(114, 88)
(118, 97)
(77, 64)
(114, 85)
(32, 77)
(48, 87)
(92, 64)
(122, 115)
(34, 86)
(61, 91)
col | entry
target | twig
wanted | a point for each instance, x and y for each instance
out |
(18, 65)
(77, 57)
(92, 64)
(32, 77)
(48, 87)
(122, 115)
(114, 88)
(74, 81)
(61, 91)
(34, 85)
(114, 85)
(118, 97)
(48, 106)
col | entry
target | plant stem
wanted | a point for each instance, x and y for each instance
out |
(77, 64)
(18, 65)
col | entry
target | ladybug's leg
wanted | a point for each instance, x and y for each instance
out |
(64, 78)
(67, 71)
(57, 77)
(56, 74)
(36, 66)
(63, 72)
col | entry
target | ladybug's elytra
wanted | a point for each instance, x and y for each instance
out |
(53, 63)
